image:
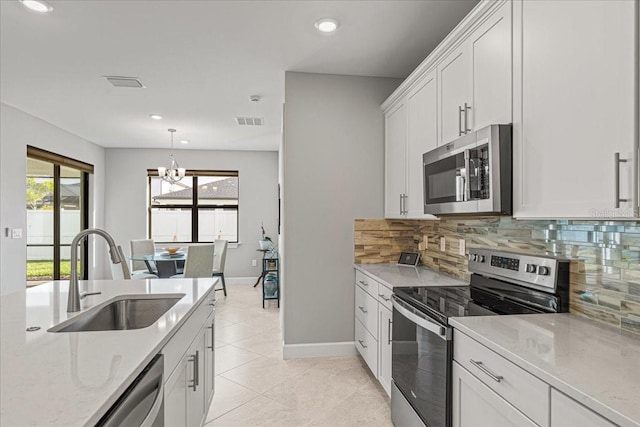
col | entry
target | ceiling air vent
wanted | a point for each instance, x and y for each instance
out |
(250, 121)
(120, 81)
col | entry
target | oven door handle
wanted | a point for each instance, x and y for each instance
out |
(419, 318)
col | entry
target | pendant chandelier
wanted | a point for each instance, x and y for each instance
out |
(174, 172)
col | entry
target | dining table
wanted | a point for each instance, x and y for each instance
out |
(163, 264)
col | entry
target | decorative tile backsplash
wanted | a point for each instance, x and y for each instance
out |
(605, 272)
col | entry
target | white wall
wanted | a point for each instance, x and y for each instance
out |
(17, 130)
(126, 196)
(333, 172)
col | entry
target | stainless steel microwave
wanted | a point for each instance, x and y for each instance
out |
(472, 174)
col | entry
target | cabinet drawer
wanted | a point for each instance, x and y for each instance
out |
(367, 311)
(567, 412)
(517, 386)
(367, 283)
(384, 296)
(367, 346)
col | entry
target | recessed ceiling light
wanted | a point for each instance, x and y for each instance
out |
(156, 116)
(327, 25)
(37, 5)
(184, 141)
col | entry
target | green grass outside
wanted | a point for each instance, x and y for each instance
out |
(43, 270)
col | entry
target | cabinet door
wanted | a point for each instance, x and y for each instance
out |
(422, 137)
(209, 360)
(176, 394)
(195, 380)
(453, 81)
(476, 405)
(574, 91)
(395, 161)
(567, 412)
(384, 348)
(491, 70)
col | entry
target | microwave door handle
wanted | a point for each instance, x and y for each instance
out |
(467, 181)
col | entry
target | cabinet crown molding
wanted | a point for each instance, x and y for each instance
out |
(457, 35)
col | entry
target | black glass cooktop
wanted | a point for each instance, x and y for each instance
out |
(483, 298)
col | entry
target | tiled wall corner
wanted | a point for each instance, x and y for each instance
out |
(605, 272)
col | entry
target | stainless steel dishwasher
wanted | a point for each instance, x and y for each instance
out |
(142, 404)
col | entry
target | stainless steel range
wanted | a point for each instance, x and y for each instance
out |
(422, 346)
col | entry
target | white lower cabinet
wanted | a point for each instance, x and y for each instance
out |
(567, 412)
(476, 405)
(490, 390)
(373, 326)
(384, 348)
(188, 390)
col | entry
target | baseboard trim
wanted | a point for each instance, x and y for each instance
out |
(239, 280)
(325, 349)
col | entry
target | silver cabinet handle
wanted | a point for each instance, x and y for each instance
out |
(389, 331)
(617, 161)
(460, 111)
(466, 117)
(362, 282)
(404, 204)
(212, 336)
(194, 358)
(362, 309)
(362, 344)
(384, 297)
(480, 365)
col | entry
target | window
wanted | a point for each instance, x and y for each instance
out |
(177, 213)
(57, 210)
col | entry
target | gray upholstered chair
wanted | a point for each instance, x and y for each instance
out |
(219, 258)
(198, 263)
(121, 270)
(139, 248)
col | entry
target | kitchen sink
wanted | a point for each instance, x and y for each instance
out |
(121, 313)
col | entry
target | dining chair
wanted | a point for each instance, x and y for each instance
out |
(219, 258)
(139, 248)
(121, 270)
(198, 263)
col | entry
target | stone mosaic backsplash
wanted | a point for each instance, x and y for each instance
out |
(605, 269)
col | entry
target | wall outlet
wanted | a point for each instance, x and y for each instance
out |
(254, 263)
(462, 247)
(443, 244)
(14, 233)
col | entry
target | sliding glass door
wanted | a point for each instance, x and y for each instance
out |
(57, 209)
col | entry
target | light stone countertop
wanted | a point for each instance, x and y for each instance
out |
(595, 364)
(72, 378)
(392, 275)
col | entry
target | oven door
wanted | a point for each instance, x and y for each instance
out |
(421, 365)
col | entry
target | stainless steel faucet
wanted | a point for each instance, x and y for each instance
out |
(73, 302)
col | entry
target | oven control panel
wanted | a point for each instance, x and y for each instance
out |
(535, 270)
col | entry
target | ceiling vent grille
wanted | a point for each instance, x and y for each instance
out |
(120, 81)
(250, 121)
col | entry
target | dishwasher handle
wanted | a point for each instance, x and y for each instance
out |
(130, 408)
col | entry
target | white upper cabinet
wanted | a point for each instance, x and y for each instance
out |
(475, 78)
(453, 74)
(423, 137)
(574, 98)
(491, 71)
(395, 161)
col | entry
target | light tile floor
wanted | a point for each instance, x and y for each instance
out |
(256, 387)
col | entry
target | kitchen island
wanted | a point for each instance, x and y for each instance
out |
(73, 378)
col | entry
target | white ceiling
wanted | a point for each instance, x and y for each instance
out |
(200, 61)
